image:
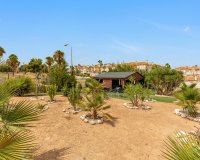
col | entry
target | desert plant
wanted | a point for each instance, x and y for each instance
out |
(19, 85)
(74, 96)
(188, 97)
(93, 87)
(16, 141)
(51, 91)
(94, 100)
(182, 147)
(133, 92)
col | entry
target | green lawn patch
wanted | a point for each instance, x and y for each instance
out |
(166, 99)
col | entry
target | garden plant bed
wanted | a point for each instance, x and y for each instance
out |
(130, 106)
(184, 114)
(87, 118)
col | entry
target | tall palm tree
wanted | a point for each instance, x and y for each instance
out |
(49, 61)
(13, 62)
(59, 56)
(16, 141)
(2, 51)
(188, 97)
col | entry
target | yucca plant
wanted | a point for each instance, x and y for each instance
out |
(16, 141)
(74, 96)
(182, 147)
(188, 97)
(94, 100)
(51, 91)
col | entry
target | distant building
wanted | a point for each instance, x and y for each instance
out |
(191, 74)
(142, 65)
(96, 69)
(111, 80)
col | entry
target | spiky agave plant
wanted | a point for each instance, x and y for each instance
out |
(16, 141)
(182, 147)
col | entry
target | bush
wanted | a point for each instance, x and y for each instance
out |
(19, 85)
(51, 91)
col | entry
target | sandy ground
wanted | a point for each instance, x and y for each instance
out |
(137, 134)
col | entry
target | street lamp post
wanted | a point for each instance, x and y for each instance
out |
(71, 55)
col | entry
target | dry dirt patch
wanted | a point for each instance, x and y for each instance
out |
(137, 134)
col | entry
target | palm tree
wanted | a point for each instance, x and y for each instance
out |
(49, 61)
(2, 51)
(13, 62)
(188, 97)
(94, 100)
(100, 65)
(182, 147)
(59, 57)
(16, 141)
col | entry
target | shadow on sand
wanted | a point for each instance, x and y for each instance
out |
(54, 154)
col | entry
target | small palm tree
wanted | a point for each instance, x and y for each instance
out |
(188, 97)
(16, 141)
(94, 100)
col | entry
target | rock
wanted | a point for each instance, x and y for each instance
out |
(183, 115)
(196, 120)
(146, 107)
(86, 120)
(82, 117)
(91, 121)
(177, 111)
(99, 121)
(64, 110)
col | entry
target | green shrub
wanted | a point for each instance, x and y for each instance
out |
(58, 75)
(19, 85)
(51, 91)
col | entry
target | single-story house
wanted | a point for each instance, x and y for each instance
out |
(111, 80)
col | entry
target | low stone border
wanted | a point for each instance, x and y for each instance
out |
(130, 106)
(150, 100)
(87, 119)
(69, 110)
(183, 114)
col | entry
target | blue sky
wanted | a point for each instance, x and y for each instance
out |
(160, 31)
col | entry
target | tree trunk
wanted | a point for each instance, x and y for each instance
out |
(94, 114)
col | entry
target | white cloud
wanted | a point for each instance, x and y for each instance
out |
(186, 29)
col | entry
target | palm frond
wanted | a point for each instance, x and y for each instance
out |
(181, 148)
(16, 145)
(19, 114)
